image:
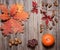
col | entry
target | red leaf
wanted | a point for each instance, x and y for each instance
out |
(47, 21)
(35, 10)
(49, 17)
(34, 4)
(44, 18)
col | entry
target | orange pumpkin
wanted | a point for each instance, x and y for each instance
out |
(48, 40)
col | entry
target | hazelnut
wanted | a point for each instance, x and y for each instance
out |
(16, 43)
(10, 44)
(19, 41)
(16, 39)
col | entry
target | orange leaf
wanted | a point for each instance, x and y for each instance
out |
(16, 26)
(4, 17)
(11, 26)
(16, 8)
(23, 16)
(4, 9)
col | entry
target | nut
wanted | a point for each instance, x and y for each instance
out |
(10, 44)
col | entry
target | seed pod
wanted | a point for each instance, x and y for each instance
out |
(56, 20)
(41, 11)
(50, 28)
(41, 26)
(43, 4)
(47, 26)
(46, 4)
(53, 23)
(49, 6)
(41, 31)
(55, 3)
(53, 14)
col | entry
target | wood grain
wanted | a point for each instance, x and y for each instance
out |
(31, 27)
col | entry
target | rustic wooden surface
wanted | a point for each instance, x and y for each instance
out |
(31, 28)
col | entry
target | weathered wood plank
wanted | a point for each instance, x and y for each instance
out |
(31, 28)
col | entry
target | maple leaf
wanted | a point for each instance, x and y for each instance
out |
(18, 13)
(34, 9)
(11, 26)
(4, 9)
(4, 12)
(16, 8)
(34, 4)
(21, 16)
(16, 26)
(46, 18)
(4, 17)
(6, 28)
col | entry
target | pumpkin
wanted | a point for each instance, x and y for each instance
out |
(48, 40)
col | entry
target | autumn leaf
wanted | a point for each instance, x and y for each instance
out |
(16, 26)
(46, 18)
(11, 26)
(34, 9)
(4, 17)
(21, 16)
(4, 9)
(16, 8)
(15, 15)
